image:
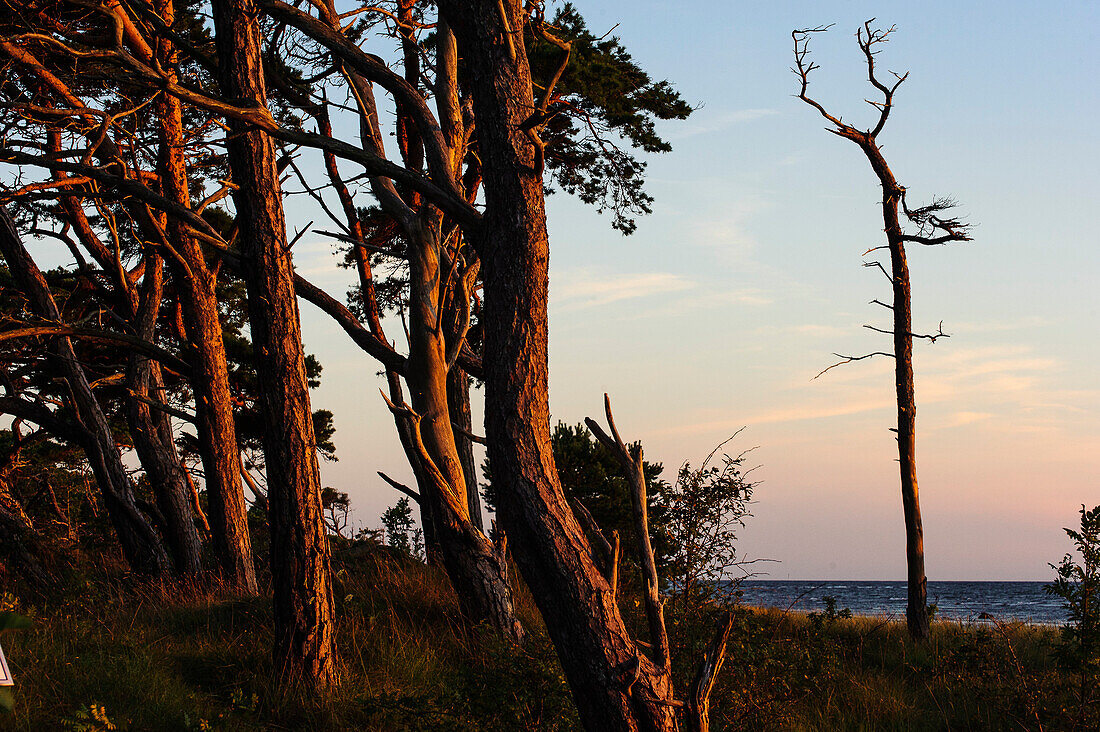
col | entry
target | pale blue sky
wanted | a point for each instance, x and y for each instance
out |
(718, 312)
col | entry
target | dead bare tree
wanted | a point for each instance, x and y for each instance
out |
(932, 226)
(697, 707)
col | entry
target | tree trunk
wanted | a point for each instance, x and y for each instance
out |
(616, 687)
(215, 425)
(140, 543)
(217, 433)
(458, 396)
(301, 577)
(916, 610)
(151, 432)
(478, 571)
(216, 429)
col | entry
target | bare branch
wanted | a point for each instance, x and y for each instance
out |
(867, 43)
(400, 487)
(698, 703)
(880, 266)
(933, 337)
(849, 359)
(804, 67)
(469, 435)
(413, 419)
(634, 467)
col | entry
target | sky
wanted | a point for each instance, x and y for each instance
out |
(746, 278)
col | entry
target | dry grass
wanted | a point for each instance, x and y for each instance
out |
(165, 657)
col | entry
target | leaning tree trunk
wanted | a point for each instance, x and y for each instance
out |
(195, 282)
(151, 432)
(215, 425)
(477, 569)
(140, 542)
(301, 576)
(615, 685)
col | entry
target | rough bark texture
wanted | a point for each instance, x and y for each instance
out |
(477, 570)
(151, 432)
(215, 426)
(140, 542)
(301, 576)
(458, 396)
(616, 687)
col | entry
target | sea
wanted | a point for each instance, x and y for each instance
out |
(978, 602)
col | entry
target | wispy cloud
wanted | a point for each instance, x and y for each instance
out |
(1031, 321)
(963, 418)
(822, 331)
(706, 122)
(717, 300)
(579, 289)
(318, 261)
(799, 413)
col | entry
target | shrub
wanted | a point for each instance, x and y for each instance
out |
(1078, 584)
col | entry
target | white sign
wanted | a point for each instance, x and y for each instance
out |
(5, 674)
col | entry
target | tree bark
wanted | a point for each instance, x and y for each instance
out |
(477, 570)
(141, 545)
(615, 686)
(916, 610)
(305, 652)
(216, 428)
(151, 432)
(215, 425)
(458, 396)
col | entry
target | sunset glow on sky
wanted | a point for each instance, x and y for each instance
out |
(747, 277)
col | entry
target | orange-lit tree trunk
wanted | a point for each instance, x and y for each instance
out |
(151, 431)
(215, 426)
(458, 395)
(616, 687)
(477, 569)
(305, 653)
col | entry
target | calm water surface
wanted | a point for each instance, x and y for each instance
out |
(955, 600)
